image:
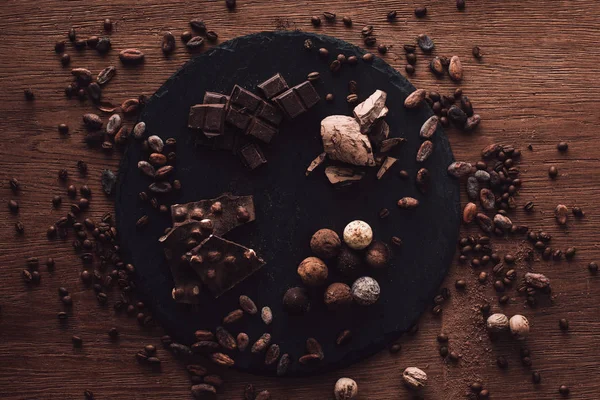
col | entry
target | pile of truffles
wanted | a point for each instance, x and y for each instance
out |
(348, 257)
(354, 140)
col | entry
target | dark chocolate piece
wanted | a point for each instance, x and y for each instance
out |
(298, 99)
(245, 99)
(222, 264)
(260, 130)
(269, 113)
(225, 212)
(238, 117)
(215, 98)
(307, 93)
(209, 118)
(227, 141)
(290, 103)
(252, 156)
(273, 86)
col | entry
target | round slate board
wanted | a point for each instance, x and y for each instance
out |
(290, 207)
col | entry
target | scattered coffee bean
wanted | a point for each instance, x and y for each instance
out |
(368, 57)
(315, 20)
(562, 146)
(329, 16)
(13, 206)
(186, 36)
(593, 267)
(420, 12)
(425, 43)
(570, 253)
(77, 341)
(476, 52)
(391, 16)
(563, 324)
(195, 43)
(108, 25)
(347, 21)
(131, 56)
(553, 172)
(564, 390)
(395, 348)
(230, 4)
(460, 4)
(409, 69)
(168, 43)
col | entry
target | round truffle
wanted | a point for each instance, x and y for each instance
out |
(296, 301)
(519, 326)
(349, 262)
(337, 295)
(345, 389)
(378, 255)
(358, 235)
(313, 271)
(325, 243)
(365, 291)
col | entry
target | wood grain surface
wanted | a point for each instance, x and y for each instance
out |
(536, 84)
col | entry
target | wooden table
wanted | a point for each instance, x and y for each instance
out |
(536, 84)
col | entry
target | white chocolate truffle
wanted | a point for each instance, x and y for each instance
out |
(365, 291)
(358, 235)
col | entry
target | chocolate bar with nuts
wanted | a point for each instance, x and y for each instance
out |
(222, 264)
(219, 215)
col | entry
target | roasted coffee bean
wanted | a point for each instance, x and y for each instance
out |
(420, 12)
(329, 16)
(108, 25)
(198, 25)
(186, 36)
(370, 40)
(382, 49)
(168, 43)
(368, 57)
(457, 116)
(103, 45)
(195, 43)
(593, 267)
(77, 341)
(335, 66)
(460, 4)
(436, 66)
(409, 69)
(212, 36)
(570, 253)
(347, 21)
(536, 377)
(553, 172)
(315, 20)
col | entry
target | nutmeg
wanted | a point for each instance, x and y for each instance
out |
(325, 243)
(349, 262)
(414, 378)
(497, 323)
(296, 301)
(345, 389)
(519, 326)
(337, 296)
(313, 271)
(365, 291)
(377, 255)
(358, 235)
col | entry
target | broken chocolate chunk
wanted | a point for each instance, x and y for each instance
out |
(371, 110)
(387, 164)
(273, 86)
(379, 132)
(269, 113)
(252, 156)
(343, 141)
(222, 264)
(238, 117)
(209, 118)
(215, 98)
(389, 144)
(307, 93)
(320, 159)
(223, 212)
(342, 176)
(227, 141)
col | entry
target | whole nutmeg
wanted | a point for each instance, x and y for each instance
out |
(365, 291)
(345, 389)
(414, 378)
(296, 301)
(358, 235)
(337, 296)
(377, 255)
(313, 271)
(519, 327)
(497, 323)
(325, 243)
(349, 262)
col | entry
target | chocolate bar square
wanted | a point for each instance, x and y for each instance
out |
(245, 99)
(252, 156)
(290, 103)
(238, 117)
(209, 118)
(273, 86)
(214, 119)
(269, 113)
(215, 98)
(307, 94)
(260, 130)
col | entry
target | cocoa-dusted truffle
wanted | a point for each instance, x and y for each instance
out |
(365, 291)
(313, 271)
(377, 255)
(349, 262)
(325, 243)
(338, 295)
(296, 301)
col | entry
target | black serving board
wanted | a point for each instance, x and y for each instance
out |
(290, 207)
